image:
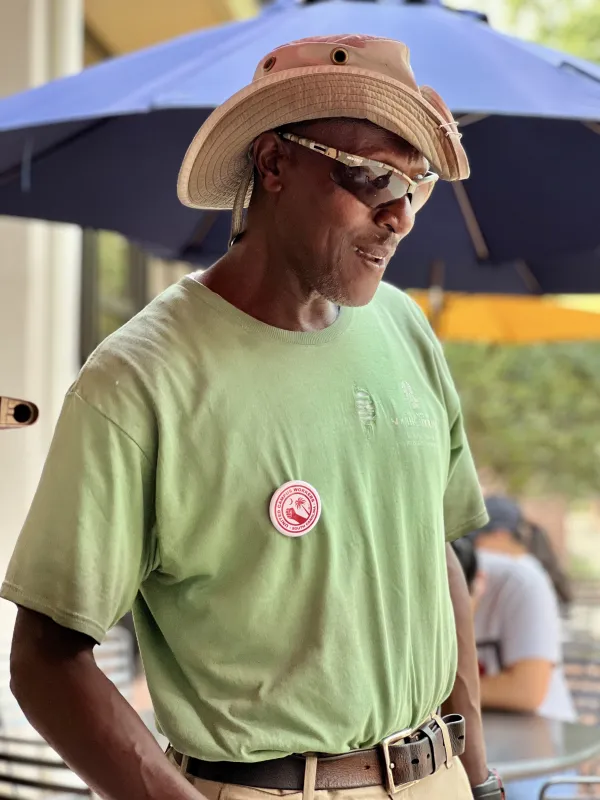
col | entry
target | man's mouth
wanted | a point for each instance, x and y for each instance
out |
(375, 258)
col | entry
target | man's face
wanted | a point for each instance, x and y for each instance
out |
(337, 245)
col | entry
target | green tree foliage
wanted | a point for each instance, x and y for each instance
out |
(570, 25)
(533, 413)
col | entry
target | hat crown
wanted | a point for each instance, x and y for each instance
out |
(344, 75)
(343, 51)
(504, 514)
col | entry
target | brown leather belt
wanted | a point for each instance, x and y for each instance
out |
(400, 759)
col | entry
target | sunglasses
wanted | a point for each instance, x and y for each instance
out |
(372, 182)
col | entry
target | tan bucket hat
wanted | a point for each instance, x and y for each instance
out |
(347, 75)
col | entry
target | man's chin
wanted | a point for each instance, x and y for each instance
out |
(360, 293)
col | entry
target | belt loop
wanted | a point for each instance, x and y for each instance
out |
(183, 768)
(446, 738)
(310, 777)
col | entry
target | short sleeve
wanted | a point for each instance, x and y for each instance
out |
(530, 624)
(464, 507)
(87, 543)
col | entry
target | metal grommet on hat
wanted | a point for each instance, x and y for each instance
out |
(269, 63)
(339, 55)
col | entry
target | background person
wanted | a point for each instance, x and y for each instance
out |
(470, 560)
(517, 621)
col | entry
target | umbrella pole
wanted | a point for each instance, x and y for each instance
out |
(529, 278)
(471, 222)
(436, 295)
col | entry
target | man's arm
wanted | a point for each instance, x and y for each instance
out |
(465, 695)
(74, 706)
(521, 687)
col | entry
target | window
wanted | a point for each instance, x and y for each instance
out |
(118, 280)
(113, 286)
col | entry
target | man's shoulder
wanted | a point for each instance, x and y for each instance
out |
(141, 339)
(403, 318)
(401, 307)
(392, 297)
(128, 371)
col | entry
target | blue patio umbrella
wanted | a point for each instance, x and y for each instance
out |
(102, 148)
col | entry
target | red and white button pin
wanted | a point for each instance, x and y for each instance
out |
(295, 508)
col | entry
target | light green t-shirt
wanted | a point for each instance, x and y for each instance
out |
(156, 493)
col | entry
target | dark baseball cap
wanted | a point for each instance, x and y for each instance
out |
(504, 514)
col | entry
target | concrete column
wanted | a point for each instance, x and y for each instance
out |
(39, 270)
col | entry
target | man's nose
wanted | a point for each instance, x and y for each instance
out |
(397, 216)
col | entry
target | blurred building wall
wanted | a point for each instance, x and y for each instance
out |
(40, 263)
(39, 270)
(114, 27)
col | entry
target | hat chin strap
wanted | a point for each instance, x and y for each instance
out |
(237, 214)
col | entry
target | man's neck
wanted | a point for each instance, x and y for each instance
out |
(264, 288)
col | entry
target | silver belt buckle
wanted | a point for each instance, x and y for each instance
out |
(385, 744)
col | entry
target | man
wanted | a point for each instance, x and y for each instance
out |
(268, 465)
(517, 621)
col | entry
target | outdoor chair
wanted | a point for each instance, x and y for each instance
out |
(115, 657)
(30, 769)
(578, 786)
(583, 618)
(581, 661)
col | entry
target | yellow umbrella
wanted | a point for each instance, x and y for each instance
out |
(505, 319)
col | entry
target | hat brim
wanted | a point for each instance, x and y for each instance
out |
(218, 156)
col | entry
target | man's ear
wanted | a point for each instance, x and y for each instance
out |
(269, 152)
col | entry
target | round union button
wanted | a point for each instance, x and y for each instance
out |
(295, 508)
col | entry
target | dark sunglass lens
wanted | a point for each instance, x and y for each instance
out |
(371, 186)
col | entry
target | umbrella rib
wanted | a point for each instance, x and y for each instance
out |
(471, 222)
(203, 228)
(470, 119)
(531, 281)
(29, 162)
(593, 126)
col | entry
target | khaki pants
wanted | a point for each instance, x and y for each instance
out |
(446, 784)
